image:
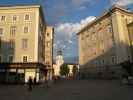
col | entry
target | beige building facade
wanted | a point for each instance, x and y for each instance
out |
(130, 30)
(22, 34)
(105, 43)
(48, 51)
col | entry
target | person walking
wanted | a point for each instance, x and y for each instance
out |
(30, 83)
(34, 80)
(46, 77)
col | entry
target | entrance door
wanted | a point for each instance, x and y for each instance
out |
(29, 73)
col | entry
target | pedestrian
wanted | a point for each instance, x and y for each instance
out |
(45, 75)
(30, 83)
(34, 80)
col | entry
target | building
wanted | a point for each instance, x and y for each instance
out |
(48, 41)
(22, 34)
(104, 44)
(73, 67)
(59, 62)
(130, 30)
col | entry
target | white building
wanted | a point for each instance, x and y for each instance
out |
(59, 62)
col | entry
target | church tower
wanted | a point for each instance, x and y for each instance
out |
(59, 58)
(59, 62)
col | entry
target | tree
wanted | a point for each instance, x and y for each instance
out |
(64, 69)
(75, 70)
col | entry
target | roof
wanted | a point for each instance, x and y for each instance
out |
(18, 6)
(111, 10)
(68, 63)
(71, 63)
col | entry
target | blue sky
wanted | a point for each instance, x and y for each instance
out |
(68, 16)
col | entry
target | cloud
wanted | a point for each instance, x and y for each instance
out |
(122, 2)
(78, 3)
(83, 4)
(82, 7)
(69, 28)
(59, 11)
(65, 31)
(54, 10)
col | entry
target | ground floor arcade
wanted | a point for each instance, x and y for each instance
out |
(20, 72)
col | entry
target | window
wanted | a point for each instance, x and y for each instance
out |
(47, 34)
(122, 16)
(26, 30)
(82, 38)
(1, 31)
(41, 27)
(24, 43)
(110, 29)
(13, 30)
(14, 18)
(11, 44)
(3, 18)
(113, 59)
(100, 28)
(102, 61)
(10, 58)
(25, 58)
(87, 35)
(103, 50)
(27, 17)
(47, 62)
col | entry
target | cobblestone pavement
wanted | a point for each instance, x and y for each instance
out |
(70, 90)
